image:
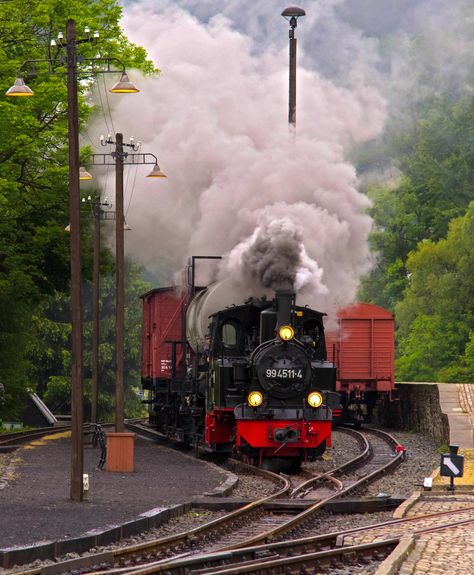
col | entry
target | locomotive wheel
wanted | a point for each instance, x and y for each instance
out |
(282, 464)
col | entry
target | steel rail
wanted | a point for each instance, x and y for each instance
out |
(151, 549)
(299, 519)
(206, 530)
(22, 436)
(363, 456)
(12, 438)
(321, 559)
(253, 558)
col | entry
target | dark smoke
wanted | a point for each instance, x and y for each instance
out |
(274, 256)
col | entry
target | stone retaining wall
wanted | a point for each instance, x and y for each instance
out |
(417, 409)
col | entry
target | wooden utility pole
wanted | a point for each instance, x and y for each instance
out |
(77, 389)
(120, 286)
(95, 311)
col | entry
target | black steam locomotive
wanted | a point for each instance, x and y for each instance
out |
(251, 378)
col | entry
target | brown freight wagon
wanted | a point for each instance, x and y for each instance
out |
(162, 339)
(363, 351)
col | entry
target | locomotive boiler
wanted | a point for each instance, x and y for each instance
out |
(252, 378)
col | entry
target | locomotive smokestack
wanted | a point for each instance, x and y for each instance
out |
(285, 301)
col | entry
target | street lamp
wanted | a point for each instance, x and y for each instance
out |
(84, 174)
(119, 158)
(124, 86)
(77, 387)
(19, 88)
(156, 172)
(292, 13)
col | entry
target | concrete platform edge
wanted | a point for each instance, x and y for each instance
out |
(51, 550)
(392, 563)
(224, 488)
(403, 509)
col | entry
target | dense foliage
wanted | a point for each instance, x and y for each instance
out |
(436, 315)
(52, 357)
(424, 240)
(34, 250)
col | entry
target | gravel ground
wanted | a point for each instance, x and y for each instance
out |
(250, 486)
(187, 521)
(357, 569)
(344, 447)
(421, 461)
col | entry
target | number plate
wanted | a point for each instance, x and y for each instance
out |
(284, 374)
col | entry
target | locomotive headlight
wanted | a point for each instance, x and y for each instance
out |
(315, 399)
(254, 399)
(286, 332)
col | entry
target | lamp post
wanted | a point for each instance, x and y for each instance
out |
(95, 311)
(77, 385)
(98, 214)
(292, 13)
(119, 288)
(21, 89)
(120, 158)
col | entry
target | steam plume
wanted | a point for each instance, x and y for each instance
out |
(237, 180)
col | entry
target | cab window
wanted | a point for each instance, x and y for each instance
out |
(229, 334)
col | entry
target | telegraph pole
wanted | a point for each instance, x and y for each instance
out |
(95, 310)
(77, 387)
(119, 158)
(120, 286)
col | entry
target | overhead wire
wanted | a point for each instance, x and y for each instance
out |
(108, 104)
(106, 111)
(102, 107)
(110, 126)
(133, 190)
(86, 134)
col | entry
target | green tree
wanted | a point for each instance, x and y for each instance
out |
(34, 260)
(436, 162)
(436, 315)
(52, 355)
(398, 227)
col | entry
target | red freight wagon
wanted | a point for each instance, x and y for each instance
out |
(363, 352)
(162, 334)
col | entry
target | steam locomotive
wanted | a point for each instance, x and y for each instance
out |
(252, 378)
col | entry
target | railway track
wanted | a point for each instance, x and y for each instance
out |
(11, 441)
(333, 550)
(254, 523)
(20, 437)
(376, 458)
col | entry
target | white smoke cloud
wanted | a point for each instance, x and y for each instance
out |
(217, 120)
